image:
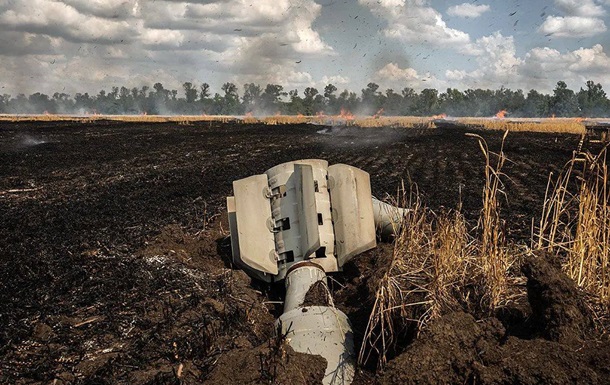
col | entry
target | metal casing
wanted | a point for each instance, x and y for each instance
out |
(301, 211)
(350, 194)
(255, 242)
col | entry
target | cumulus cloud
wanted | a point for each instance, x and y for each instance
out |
(415, 21)
(336, 80)
(85, 45)
(58, 19)
(115, 9)
(392, 74)
(583, 8)
(540, 68)
(468, 10)
(242, 40)
(575, 67)
(582, 19)
(497, 62)
(572, 26)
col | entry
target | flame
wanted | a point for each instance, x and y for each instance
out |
(378, 113)
(249, 114)
(553, 116)
(47, 113)
(579, 120)
(441, 116)
(501, 114)
(299, 115)
(143, 113)
(277, 113)
(346, 114)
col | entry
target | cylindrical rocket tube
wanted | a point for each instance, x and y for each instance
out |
(388, 218)
(300, 278)
(318, 329)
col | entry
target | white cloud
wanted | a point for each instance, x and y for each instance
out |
(574, 67)
(336, 80)
(583, 8)
(468, 10)
(572, 26)
(193, 39)
(415, 21)
(392, 76)
(116, 9)
(582, 18)
(540, 68)
(393, 72)
(497, 61)
(61, 20)
(456, 75)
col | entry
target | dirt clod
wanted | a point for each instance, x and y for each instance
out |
(317, 295)
(558, 310)
(270, 363)
(459, 349)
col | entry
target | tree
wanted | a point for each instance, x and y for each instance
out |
(329, 91)
(205, 91)
(41, 103)
(83, 103)
(4, 100)
(371, 98)
(393, 102)
(452, 102)
(428, 102)
(409, 101)
(126, 101)
(564, 102)
(190, 92)
(536, 105)
(230, 90)
(252, 96)
(230, 99)
(348, 101)
(270, 98)
(295, 105)
(311, 102)
(593, 100)
(480, 102)
(331, 99)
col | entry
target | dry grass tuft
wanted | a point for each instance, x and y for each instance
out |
(427, 276)
(437, 266)
(577, 226)
(494, 258)
(453, 251)
(402, 287)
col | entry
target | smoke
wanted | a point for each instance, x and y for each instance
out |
(22, 142)
(30, 141)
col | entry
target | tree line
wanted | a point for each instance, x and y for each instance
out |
(590, 101)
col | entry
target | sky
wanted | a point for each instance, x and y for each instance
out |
(87, 45)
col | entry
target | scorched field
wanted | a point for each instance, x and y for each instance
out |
(116, 264)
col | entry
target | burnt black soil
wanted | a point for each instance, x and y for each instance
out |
(115, 263)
